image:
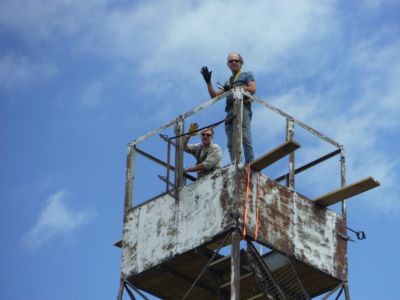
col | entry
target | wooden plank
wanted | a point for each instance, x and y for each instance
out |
(274, 155)
(347, 191)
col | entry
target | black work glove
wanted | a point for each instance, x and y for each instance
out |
(206, 74)
(226, 87)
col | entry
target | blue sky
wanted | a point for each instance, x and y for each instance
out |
(81, 79)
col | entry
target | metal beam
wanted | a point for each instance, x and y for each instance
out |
(237, 124)
(129, 179)
(241, 278)
(136, 290)
(309, 165)
(289, 137)
(298, 122)
(179, 129)
(185, 277)
(205, 267)
(235, 265)
(162, 163)
(172, 122)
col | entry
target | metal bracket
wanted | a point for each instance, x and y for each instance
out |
(345, 237)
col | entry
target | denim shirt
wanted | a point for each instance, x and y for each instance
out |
(243, 79)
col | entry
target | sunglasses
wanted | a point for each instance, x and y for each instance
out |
(233, 61)
(206, 134)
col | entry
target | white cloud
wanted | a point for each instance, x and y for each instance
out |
(207, 31)
(55, 219)
(91, 96)
(356, 104)
(317, 67)
(48, 20)
(168, 35)
(21, 71)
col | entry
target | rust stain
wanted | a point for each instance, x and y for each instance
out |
(288, 222)
(341, 249)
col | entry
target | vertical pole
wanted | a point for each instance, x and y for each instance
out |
(121, 289)
(343, 177)
(344, 214)
(168, 165)
(237, 150)
(346, 291)
(128, 203)
(129, 179)
(235, 265)
(237, 123)
(179, 129)
(289, 136)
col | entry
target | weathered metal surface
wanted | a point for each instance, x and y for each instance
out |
(288, 222)
(179, 128)
(129, 179)
(237, 123)
(289, 137)
(237, 153)
(164, 227)
(294, 225)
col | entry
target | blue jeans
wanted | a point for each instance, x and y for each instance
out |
(246, 135)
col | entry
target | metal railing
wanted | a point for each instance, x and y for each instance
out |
(177, 145)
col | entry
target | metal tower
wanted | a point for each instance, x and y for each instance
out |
(200, 240)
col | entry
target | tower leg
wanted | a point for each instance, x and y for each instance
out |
(235, 265)
(346, 291)
(121, 289)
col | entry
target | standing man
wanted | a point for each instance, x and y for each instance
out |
(247, 82)
(208, 155)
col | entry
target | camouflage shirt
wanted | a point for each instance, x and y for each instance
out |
(210, 157)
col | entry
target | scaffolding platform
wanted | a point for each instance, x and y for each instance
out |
(167, 242)
(173, 278)
(235, 233)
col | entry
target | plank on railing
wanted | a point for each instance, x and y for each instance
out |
(274, 155)
(347, 191)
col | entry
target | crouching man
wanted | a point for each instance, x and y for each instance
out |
(208, 155)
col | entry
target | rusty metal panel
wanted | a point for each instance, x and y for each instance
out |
(163, 228)
(287, 221)
(294, 225)
(146, 233)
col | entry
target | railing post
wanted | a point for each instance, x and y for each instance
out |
(237, 153)
(235, 264)
(343, 176)
(128, 202)
(237, 124)
(290, 136)
(179, 130)
(168, 165)
(129, 179)
(344, 214)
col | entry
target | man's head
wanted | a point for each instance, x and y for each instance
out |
(207, 135)
(235, 62)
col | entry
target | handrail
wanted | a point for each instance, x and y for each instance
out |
(255, 99)
(294, 120)
(184, 116)
(237, 93)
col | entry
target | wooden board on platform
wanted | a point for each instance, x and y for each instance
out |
(347, 191)
(274, 155)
